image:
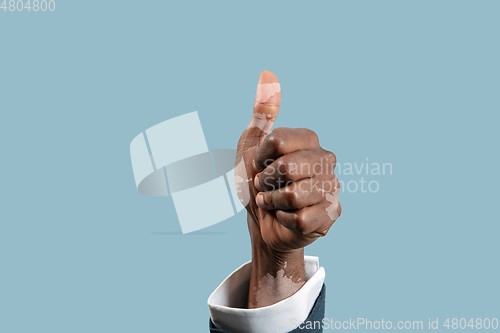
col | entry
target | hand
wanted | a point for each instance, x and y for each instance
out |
(286, 182)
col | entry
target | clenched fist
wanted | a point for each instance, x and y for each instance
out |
(286, 182)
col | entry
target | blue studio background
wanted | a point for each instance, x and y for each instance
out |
(411, 83)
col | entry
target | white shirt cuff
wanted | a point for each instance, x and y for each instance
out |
(227, 304)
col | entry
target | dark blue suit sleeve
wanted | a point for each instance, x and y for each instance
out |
(315, 318)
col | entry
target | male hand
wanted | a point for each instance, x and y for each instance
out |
(286, 182)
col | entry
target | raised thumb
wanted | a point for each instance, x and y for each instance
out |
(267, 102)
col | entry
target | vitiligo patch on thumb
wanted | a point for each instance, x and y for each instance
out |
(241, 182)
(262, 121)
(265, 91)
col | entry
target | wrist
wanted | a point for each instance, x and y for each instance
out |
(275, 274)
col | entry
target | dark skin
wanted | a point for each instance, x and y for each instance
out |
(291, 197)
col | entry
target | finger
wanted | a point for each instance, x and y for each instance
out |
(288, 168)
(312, 219)
(283, 141)
(267, 102)
(295, 196)
(295, 166)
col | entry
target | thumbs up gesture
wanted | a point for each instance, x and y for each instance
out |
(286, 182)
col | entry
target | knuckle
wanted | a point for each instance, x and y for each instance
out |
(276, 138)
(291, 198)
(271, 138)
(330, 157)
(312, 136)
(300, 223)
(278, 130)
(273, 141)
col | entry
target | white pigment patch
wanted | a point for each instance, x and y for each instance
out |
(273, 289)
(241, 183)
(237, 181)
(332, 210)
(263, 122)
(265, 91)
